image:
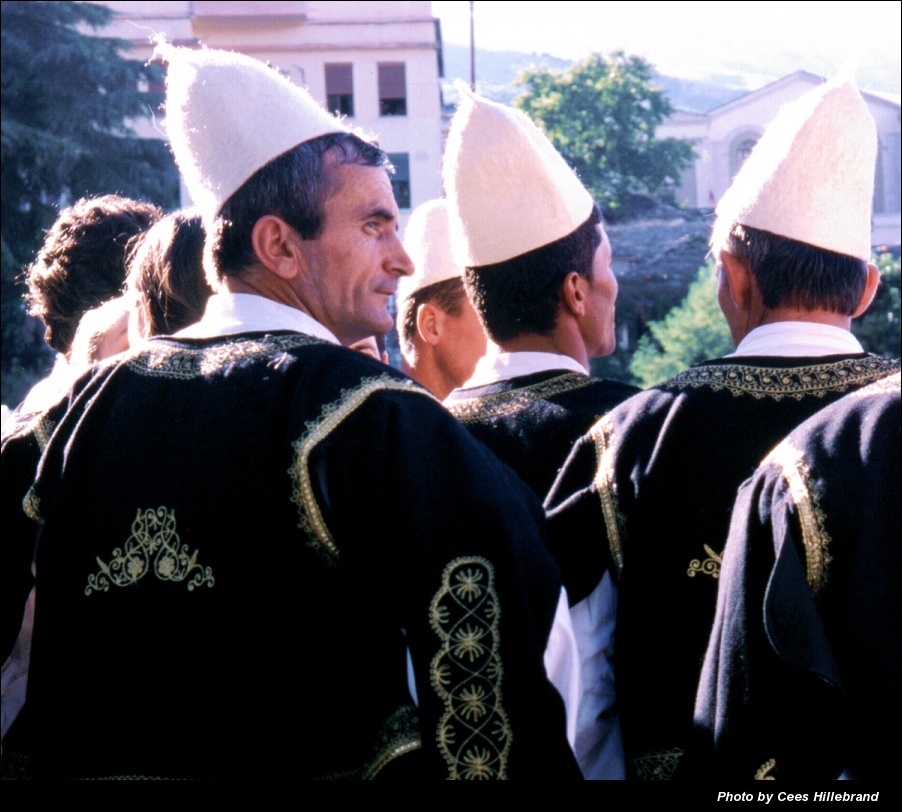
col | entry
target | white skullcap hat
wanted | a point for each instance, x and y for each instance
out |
(509, 190)
(228, 115)
(428, 242)
(811, 176)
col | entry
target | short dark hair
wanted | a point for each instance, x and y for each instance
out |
(449, 295)
(797, 275)
(83, 262)
(521, 295)
(166, 271)
(295, 186)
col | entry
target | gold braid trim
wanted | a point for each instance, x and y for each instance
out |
(614, 520)
(474, 735)
(885, 386)
(187, 363)
(778, 382)
(471, 410)
(790, 461)
(311, 519)
(763, 773)
(400, 735)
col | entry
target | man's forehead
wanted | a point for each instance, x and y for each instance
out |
(365, 188)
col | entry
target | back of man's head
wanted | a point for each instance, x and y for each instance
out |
(798, 213)
(522, 295)
(83, 262)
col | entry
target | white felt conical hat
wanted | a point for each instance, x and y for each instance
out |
(811, 176)
(509, 190)
(427, 241)
(228, 115)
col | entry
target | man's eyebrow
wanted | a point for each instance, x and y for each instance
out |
(378, 212)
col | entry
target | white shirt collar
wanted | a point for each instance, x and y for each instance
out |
(798, 338)
(501, 366)
(230, 313)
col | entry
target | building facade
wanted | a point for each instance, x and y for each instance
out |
(378, 64)
(724, 136)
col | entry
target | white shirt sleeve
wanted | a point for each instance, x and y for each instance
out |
(599, 747)
(562, 664)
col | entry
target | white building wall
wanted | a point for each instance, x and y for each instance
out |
(301, 38)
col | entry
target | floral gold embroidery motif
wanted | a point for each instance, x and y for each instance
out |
(764, 770)
(607, 489)
(710, 566)
(153, 545)
(790, 461)
(311, 517)
(167, 360)
(659, 766)
(777, 382)
(469, 410)
(884, 386)
(473, 734)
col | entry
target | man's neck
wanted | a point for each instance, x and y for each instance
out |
(554, 342)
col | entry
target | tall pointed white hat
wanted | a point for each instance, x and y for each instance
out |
(428, 243)
(811, 175)
(509, 190)
(228, 115)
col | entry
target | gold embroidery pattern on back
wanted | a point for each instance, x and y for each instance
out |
(474, 733)
(470, 410)
(186, 363)
(710, 566)
(763, 773)
(614, 520)
(311, 517)
(659, 766)
(153, 545)
(791, 463)
(778, 383)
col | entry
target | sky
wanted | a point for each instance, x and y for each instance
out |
(760, 41)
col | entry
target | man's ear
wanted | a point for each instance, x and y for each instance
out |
(428, 323)
(739, 280)
(573, 293)
(870, 290)
(275, 244)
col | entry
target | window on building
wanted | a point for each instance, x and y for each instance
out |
(392, 89)
(340, 89)
(400, 181)
(740, 149)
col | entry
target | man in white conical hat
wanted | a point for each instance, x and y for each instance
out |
(656, 478)
(538, 270)
(248, 528)
(441, 336)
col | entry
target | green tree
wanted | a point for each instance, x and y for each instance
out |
(68, 100)
(878, 329)
(694, 331)
(601, 115)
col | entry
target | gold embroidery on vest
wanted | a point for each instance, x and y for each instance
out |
(777, 382)
(710, 566)
(607, 489)
(153, 544)
(885, 386)
(470, 410)
(659, 766)
(763, 773)
(815, 538)
(473, 734)
(400, 735)
(185, 363)
(311, 517)
(31, 505)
